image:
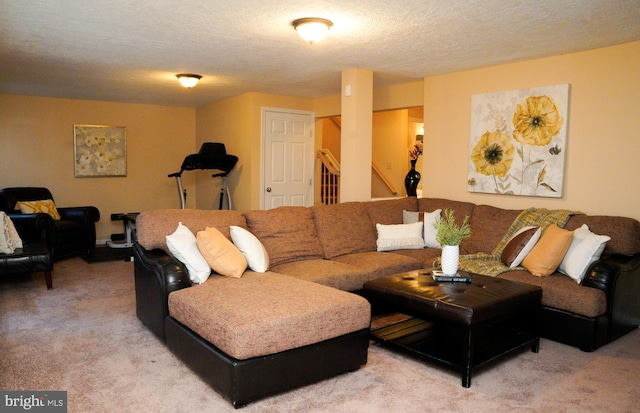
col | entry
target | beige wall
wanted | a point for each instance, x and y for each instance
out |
(390, 152)
(602, 164)
(36, 149)
(36, 138)
(237, 122)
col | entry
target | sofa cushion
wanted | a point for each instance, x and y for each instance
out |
(266, 313)
(425, 256)
(389, 211)
(547, 254)
(331, 273)
(561, 292)
(220, 253)
(153, 226)
(287, 233)
(488, 226)
(624, 232)
(345, 228)
(380, 264)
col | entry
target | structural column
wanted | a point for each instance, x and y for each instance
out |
(356, 141)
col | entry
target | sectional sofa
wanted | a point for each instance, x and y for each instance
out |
(318, 257)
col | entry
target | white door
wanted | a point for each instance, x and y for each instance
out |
(287, 158)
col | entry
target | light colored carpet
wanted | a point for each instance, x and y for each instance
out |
(83, 337)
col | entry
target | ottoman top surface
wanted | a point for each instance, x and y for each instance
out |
(485, 298)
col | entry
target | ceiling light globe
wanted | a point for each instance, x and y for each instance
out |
(188, 80)
(312, 29)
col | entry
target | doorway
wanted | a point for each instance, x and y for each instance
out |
(287, 158)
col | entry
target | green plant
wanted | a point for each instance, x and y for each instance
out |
(449, 233)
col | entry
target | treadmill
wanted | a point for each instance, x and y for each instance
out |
(212, 155)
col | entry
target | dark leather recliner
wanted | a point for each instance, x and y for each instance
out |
(74, 234)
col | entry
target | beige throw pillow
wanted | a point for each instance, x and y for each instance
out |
(220, 253)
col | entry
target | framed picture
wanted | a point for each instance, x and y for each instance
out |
(518, 142)
(100, 151)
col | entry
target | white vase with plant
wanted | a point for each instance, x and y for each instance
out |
(450, 235)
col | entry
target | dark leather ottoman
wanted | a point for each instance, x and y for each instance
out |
(462, 326)
(34, 257)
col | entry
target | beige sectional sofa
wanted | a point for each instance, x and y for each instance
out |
(334, 247)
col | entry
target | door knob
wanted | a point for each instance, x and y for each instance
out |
(268, 189)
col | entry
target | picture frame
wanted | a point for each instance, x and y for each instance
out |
(99, 151)
(518, 142)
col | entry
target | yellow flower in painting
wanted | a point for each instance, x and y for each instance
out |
(536, 121)
(493, 154)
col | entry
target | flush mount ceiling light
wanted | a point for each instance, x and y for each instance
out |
(188, 80)
(312, 29)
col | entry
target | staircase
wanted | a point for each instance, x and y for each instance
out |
(329, 177)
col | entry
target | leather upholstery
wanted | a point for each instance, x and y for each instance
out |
(486, 298)
(74, 234)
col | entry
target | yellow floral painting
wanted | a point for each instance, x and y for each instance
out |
(100, 151)
(518, 142)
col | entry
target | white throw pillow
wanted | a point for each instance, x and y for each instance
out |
(428, 219)
(182, 244)
(586, 248)
(400, 237)
(528, 246)
(251, 247)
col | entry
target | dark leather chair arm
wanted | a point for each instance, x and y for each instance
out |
(34, 227)
(87, 214)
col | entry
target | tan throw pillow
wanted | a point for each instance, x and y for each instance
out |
(220, 253)
(520, 246)
(548, 253)
(43, 206)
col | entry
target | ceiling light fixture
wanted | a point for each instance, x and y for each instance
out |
(188, 80)
(312, 29)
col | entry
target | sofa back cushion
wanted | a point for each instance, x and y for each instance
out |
(624, 232)
(345, 228)
(389, 212)
(287, 233)
(460, 208)
(488, 226)
(153, 226)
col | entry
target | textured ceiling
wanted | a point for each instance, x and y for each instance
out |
(130, 51)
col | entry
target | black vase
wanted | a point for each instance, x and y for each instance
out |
(412, 180)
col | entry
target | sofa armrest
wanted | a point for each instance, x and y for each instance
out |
(619, 277)
(156, 276)
(86, 214)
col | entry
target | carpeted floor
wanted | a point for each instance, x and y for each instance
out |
(83, 337)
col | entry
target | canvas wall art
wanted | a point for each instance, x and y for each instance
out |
(518, 142)
(100, 151)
